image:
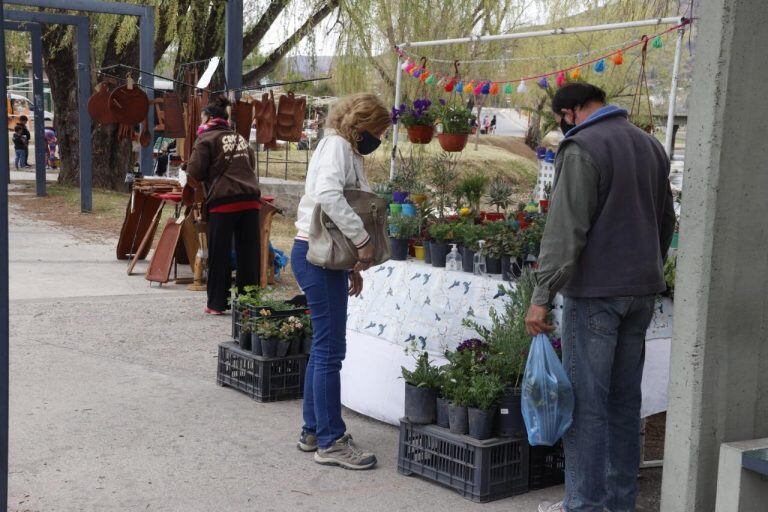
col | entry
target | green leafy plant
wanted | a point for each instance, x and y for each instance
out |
(289, 329)
(485, 390)
(442, 174)
(267, 328)
(258, 298)
(505, 242)
(472, 187)
(456, 118)
(410, 169)
(532, 235)
(403, 227)
(425, 375)
(500, 193)
(441, 231)
(468, 234)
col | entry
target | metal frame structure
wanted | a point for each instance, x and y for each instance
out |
(37, 91)
(5, 175)
(675, 20)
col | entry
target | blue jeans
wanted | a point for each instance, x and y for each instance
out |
(327, 297)
(603, 354)
(20, 160)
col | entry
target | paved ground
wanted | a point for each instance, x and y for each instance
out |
(114, 405)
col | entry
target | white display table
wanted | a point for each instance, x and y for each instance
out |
(403, 302)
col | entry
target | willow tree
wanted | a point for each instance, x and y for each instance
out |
(190, 29)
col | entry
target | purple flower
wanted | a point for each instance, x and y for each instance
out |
(472, 344)
(394, 115)
(442, 102)
(557, 344)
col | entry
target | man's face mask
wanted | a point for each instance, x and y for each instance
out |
(565, 126)
(368, 143)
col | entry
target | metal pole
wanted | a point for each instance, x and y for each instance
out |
(147, 65)
(669, 141)
(396, 128)
(233, 50)
(83, 119)
(5, 173)
(37, 92)
(550, 32)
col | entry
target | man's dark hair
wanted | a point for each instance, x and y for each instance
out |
(17, 128)
(23, 119)
(575, 95)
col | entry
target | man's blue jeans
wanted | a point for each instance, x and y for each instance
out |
(327, 297)
(603, 354)
(20, 158)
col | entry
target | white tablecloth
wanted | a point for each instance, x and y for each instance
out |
(409, 301)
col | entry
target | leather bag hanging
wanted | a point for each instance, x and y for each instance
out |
(98, 105)
(173, 116)
(290, 117)
(242, 115)
(265, 119)
(329, 248)
(128, 104)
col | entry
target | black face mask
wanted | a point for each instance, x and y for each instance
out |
(367, 143)
(565, 126)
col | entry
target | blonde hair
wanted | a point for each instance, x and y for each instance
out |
(358, 113)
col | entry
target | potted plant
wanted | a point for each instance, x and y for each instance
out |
(409, 209)
(468, 234)
(457, 124)
(244, 339)
(442, 404)
(291, 333)
(383, 190)
(485, 391)
(457, 385)
(472, 188)
(255, 337)
(440, 232)
(419, 193)
(421, 386)
(268, 332)
(499, 195)
(402, 229)
(418, 117)
(544, 203)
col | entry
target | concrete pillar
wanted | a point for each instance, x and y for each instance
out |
(740, 489)
(718, 390)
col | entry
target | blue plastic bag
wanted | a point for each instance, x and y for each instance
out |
(547, 395)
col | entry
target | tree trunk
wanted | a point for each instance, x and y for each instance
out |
(533, 134)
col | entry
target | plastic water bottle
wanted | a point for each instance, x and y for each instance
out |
(479, 260)
(453, 260)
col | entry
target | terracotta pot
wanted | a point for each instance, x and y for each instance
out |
(420, 134)
(494, 217)
(453, 142)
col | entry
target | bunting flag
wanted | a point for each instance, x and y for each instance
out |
(493, 87)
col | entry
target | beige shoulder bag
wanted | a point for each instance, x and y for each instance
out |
(329, 248)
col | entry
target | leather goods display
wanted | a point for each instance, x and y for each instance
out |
(159, 269)
(265, 120)
(173, 116)
(242, 115)
(98, 105)
(145, 139)
(329, 248)
(128, 104)
(266, 215)
(290, 117)
(139, 213)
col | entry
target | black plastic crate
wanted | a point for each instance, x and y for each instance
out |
(261, 378)
(480, 471)
(237, 313)
(547, 466)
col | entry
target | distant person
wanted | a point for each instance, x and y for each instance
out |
(610, 224)
(50, 146)
(20, 145)
(493, 124)
(486, 124)
(23, 120)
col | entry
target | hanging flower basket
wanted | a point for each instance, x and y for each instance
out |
(421, 134)
(453, 142)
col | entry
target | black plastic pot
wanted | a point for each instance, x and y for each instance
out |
(427, 252)
(420, 404)
(245, 340)
(442, 412)
(269, 348)
(295, 348)
(493, 265)
(468, 260)
(399, 248)
(510, 419)
(458, 423)
(256, 344)
(282, 348)
(481, 422)
(439, 252)
(306, 345)
(511, 269)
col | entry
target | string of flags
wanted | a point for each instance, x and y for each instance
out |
(418, 69)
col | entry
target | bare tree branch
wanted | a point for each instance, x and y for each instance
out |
(256, 33)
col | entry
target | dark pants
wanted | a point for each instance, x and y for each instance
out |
(327, 297)
(221, 227)
(603, 354)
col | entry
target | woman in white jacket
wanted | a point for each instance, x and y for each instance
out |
(355, 128)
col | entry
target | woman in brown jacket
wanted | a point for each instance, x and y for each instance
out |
(222, 160)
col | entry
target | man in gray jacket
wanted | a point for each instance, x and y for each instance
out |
(610, 223)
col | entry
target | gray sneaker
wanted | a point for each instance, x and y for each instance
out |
(346, 454)
(548, 506)
(307, 442)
